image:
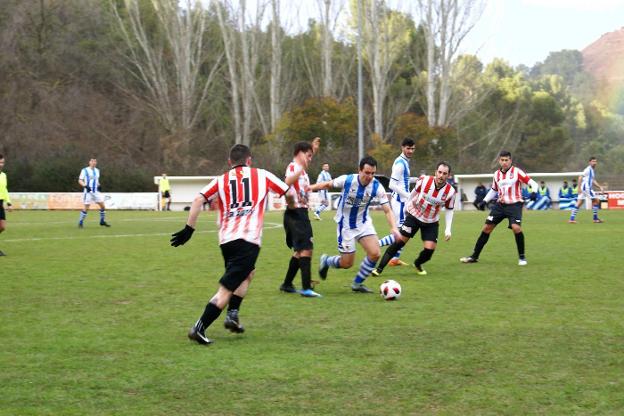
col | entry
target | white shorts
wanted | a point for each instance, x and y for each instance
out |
(587, 194)
(398, 209)
(323, 196)
(347, 237)
(92, 198)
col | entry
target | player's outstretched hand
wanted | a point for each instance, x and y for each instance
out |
(447, 237)
(182, 236)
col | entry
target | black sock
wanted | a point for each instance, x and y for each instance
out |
(390, 252)
(520, 244)
(423, 257)
(481, 242)
(306, 272)
(293, 268)
(235, 302)
(211, 313)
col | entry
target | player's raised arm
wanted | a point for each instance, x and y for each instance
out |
(316, 145)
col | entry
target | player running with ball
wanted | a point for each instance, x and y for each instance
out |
(355, 224)
(430, 194)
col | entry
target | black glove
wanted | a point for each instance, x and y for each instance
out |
(182, 236)
(482, 205)
(88, 188)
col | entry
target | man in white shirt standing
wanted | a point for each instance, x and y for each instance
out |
(399, 184)
(89, 179)
(324, 176)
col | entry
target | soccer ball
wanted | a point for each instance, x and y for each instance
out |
(390, 290)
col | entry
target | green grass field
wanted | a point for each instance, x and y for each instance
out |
(94, 322)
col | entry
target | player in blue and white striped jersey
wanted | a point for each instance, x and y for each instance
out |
(89, 179)
(587, 182)
(355, 224)
(399, 184)
(324, 176)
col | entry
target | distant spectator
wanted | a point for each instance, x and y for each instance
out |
(480, 192)
(575, 189)
(544, 195)
(565, 191)
(451, 181)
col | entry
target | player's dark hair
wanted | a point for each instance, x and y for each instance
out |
(505, 153)
(592, 158)
(368, 160)
(239, 153)
(302, 147)
(1, 156)
(408, 141)
(443, 163)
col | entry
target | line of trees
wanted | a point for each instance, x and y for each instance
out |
(152, 86)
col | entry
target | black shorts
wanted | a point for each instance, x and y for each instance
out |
(513, 212)
(166, 194)
(2, 213)
(298, 229)
(428, 231)
(240, 260)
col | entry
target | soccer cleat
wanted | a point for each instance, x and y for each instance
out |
(359, 287)
(104, 224)
(396, 262)
(287, 288)
(376, 272)
(598, 221)
(80, 225)
(323, 266)
(309, 293)
(231, 322)
(199, 337)
(317, 216)
(419, 270)
(522, 262)
(571, 221)
(2, 253)
(468, 259)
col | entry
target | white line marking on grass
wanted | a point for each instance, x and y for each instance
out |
(268, 226)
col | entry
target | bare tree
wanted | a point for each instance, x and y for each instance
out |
(446, 24)
(241, 41)
(169, 66)
(386, 35)
(276, 64)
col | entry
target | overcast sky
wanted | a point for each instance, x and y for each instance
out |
(525, 31)
(519, 31)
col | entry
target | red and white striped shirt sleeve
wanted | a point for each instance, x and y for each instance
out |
(210, 190)
(275, 184)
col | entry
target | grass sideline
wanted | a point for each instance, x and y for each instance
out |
(94, 322)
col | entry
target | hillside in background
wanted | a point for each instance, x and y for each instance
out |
(604, 58)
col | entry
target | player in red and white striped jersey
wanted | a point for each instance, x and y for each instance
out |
(241, 194)
(506, 185)
(299, 236)
(430, 194)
